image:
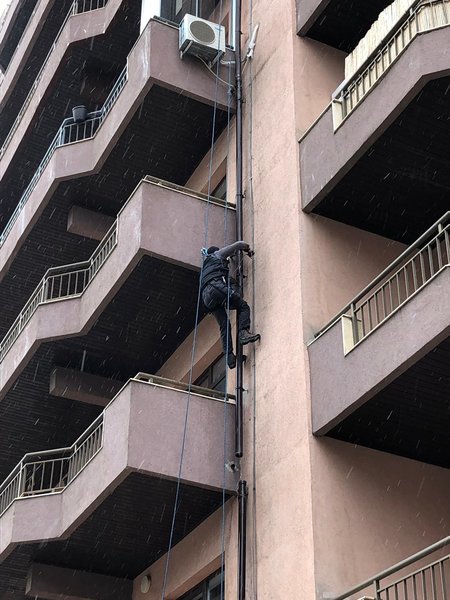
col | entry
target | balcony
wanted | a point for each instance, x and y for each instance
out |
(389, 387)
(104, 505)
(338, 23)
(59, 80)
(129, 307)
(379, 149)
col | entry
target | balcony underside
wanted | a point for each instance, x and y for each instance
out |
(392, 391)
(338, 23)
(129, 531)
(386, 169)
(410, 416)
(80, 70)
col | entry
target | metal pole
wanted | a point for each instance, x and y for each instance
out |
(239, 442)
(242, 498)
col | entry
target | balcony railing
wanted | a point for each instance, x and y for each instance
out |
(77, 7)
(40, 473)
(59, 283)
(396, 285)
(68, 133)
(430, 582)
(427, 15)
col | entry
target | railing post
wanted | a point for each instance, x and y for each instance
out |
(376, 585)
(21, 487)
(354, 323)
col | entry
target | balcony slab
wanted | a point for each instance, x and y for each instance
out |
(334, 162)
(385, 365)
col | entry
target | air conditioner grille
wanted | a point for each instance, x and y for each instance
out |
(202, 32)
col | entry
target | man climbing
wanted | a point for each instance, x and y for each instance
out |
(220, 292)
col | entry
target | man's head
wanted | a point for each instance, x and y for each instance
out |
(211, 250)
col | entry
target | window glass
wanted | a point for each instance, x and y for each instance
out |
(221, 190)
(211, 588)
(214, 377)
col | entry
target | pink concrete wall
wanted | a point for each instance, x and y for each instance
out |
(371, 510)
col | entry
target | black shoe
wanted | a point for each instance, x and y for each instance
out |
(231, 360)
(245, 337)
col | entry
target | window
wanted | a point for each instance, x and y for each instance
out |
(174, 10)
(220, 191)
(214, 377)
(210, 589)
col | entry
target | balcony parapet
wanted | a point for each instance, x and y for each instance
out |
(415, 268)
(62, 487)
(423, 16)
(83, 289)
(78, 7)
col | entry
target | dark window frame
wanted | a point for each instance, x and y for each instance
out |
(209, 374)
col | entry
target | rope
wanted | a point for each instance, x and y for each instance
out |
(194, 343)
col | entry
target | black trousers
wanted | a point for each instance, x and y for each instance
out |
(217, 297)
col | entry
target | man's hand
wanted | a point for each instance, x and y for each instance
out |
(250, 253)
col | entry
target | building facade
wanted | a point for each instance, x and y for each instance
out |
(117, 415)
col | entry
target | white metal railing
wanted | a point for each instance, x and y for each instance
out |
(427, 15)
(61, 282)
(429, 582)
(77, 7)
(51, 471)
(68, 133)
(407, 275)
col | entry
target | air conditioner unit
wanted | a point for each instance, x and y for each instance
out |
(202, 38)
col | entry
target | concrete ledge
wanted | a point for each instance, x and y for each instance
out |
(340, 384)
(326, 156)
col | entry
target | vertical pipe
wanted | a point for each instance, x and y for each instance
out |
(239, 442)
(242, 499)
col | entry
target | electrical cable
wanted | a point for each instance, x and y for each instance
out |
(194, 342)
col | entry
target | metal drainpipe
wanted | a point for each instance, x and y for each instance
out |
(239, 440)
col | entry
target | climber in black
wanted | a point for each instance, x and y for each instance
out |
(220, 292)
